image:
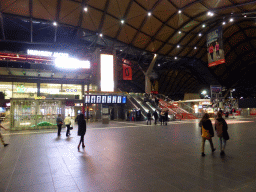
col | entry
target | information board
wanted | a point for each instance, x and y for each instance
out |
(105, 99)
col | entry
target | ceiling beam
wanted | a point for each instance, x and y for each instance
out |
(103, 16)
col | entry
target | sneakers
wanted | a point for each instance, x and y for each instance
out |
(222, 153)
(203, 154)
(6, 145)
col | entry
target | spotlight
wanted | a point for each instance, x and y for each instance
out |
(231, 20)
(122, 21)
(175, 58)
(101, 35)
(179, 32)
(223, 23)
(55, 23)
(158, 65)
(195, 47)
(178, 46)
(149, 14)
(245, 15)
(179, 11)
(210, 13)
(200, 34)
(203, 25)
(85, 9)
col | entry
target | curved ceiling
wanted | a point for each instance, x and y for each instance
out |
(174, 29)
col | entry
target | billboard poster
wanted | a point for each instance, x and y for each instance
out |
(215, 51)
(127, 70)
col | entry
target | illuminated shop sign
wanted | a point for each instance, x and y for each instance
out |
(105, 99)
(40, 97)
(205, 103)
(78, 104)
(71, 90)
(21, 89)
(71, 63)
(46, 53)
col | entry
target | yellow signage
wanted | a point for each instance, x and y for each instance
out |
(40, 97)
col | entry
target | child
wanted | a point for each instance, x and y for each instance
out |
(1, 137)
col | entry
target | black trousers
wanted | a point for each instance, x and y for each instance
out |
(82, 140)
(155, 120)
(162, 120)
(149, 120)
(68, 130)
(59, 129)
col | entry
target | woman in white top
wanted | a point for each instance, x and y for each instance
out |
(67, 122)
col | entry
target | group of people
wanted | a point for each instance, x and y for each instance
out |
(81, 127)
(163, 117)
(207, 132)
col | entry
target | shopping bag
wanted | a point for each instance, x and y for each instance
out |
(205, 133)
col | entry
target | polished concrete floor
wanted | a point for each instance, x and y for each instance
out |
(128, 156)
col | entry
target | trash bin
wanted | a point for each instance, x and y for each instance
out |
(105, 119)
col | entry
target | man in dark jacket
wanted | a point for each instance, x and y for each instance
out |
(59, 123)
(166, 117)
(155, 116)
(149, 117)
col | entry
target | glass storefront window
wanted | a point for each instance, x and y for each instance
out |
(24, 90)
(6, 88)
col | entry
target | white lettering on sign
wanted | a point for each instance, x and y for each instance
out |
(46, 53)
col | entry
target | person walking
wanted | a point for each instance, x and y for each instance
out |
(206, 132)
(67, 122)
(162, 117)
(155, 114)
(221, 129)
(1, 137)
(149, 117)
(81, 130)
(59, 123)
(166, 117)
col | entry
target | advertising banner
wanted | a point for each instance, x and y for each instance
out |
(215, 52)
(127, 70)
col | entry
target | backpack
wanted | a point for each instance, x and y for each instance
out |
(219, 128)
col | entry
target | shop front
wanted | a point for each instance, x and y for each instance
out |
(40, 113)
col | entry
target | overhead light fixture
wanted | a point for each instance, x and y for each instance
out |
(200, 34)
(149, 14)
(178, 46)
(231, 20)
(210, 13)
(203, 25)
(85, 9)
(158, 65)
(122, 21)
(175, 58)
(101, 35)
(55, 23)
(179, 32)
(195, 47)
(245, 15)
(179, 11)
(223, 23)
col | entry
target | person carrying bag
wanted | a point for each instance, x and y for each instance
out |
(221, 129)
(67, 122)
(206, 132)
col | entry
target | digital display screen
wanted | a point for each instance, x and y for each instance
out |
(105, 99)
(98, 99)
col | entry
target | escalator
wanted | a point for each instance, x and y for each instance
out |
(132, 104)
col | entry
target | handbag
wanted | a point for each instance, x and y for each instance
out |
(205, 133)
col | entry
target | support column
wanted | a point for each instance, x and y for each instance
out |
(38, 89)
(148, 73)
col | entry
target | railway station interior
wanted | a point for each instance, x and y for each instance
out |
(143, 74)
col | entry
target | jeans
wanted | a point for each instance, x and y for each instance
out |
(222, 143)
(59, 129)
(68, 130)
(203, 143)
